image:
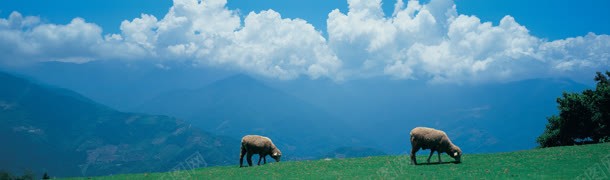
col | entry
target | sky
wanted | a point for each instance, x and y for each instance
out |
(551, 19)
(442, 41)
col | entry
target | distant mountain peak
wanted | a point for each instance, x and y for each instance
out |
(239, 78)
(240, 81)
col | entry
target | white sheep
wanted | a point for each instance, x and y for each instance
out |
(435, 140)
(255, 144)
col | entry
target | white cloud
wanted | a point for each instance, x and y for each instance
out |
(431, 41)
(370, 43)
(282, 48)
(206, 32)
(474, 51)
(190, 30)
(418, 41)
(589, 52)
(140, 31)
(26, 39)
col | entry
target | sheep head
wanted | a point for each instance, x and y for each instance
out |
(276, 154)
(456, 153)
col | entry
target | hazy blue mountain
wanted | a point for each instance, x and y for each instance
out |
(373, 112)
(43, 128)
(121, 85)
(241, 105)
(488, 117)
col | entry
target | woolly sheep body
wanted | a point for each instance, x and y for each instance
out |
(255, 144)
(435, 140)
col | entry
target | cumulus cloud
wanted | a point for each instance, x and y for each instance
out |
(432, 41)
(283, 48)
(429, 41)
(477, 51)
(572, 54)
(191, 29)
(199, 32)
(206, 32)
(26, 38)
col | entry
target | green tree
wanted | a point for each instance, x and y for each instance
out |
(583, 117)
(46, 176)
(5, 175)
(27, 175)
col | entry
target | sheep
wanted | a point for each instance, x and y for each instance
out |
(435, 140)
(255, 144)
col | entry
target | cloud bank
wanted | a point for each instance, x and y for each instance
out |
(418, 41)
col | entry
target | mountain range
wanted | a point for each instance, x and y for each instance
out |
(491, 117)
(241, 105)
(307, 118)
(44, 128)
(117, 84)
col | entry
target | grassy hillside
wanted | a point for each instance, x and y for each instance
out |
(549, 163)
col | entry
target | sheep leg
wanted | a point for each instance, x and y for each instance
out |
(249, 158)
(241, 156)
(265, 159)
(413, 159)
(439, 157)
(259, 159)
(431, 153)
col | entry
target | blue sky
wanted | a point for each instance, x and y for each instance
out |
(552, 19)
(479, 41)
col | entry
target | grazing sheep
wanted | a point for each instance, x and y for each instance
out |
(435, 140)
(255, 144)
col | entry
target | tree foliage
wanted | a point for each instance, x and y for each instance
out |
(27, 175)
(46, 176)
(583, 117)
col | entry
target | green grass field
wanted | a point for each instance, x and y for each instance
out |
(588, 161)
